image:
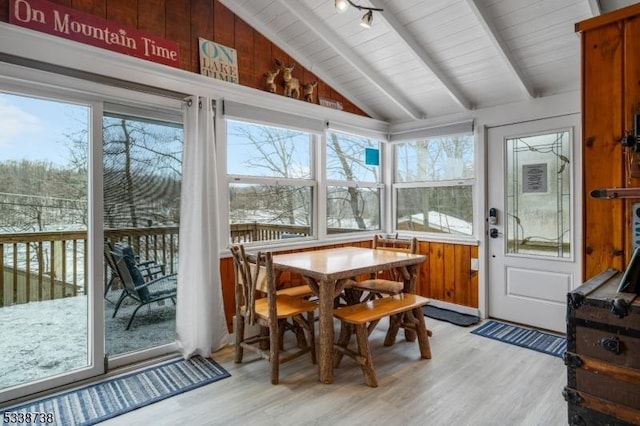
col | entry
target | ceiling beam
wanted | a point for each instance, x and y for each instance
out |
(594, 6)
(378, 81)
(423, 56)
(301, 59)
(501, 47)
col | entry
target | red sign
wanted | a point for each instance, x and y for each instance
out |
(47, 17)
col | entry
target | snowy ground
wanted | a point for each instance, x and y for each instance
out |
(41, 339)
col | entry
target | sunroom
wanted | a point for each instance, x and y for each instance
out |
(156, 135)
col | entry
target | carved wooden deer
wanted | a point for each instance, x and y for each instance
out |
(291, 84)
(271, 80)
(307, 90)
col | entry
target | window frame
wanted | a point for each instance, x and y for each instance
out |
(380, 186)
(229, 179)
(460, 182)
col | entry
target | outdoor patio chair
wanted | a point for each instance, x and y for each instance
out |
(257, 303)
(150, 268)
(137, 288)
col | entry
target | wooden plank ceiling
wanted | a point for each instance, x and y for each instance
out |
(431, 58)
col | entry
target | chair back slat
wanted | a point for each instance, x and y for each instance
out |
(254, 278)
(408, 245)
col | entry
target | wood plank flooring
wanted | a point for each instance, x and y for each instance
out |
(470, 380)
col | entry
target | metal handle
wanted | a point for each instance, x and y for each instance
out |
(494, 233)
(611, 344)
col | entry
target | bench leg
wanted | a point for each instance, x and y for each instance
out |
(312, 336)
(363, 347)
(409, 334)
(343, 342)
(423, 334)
(395, 321)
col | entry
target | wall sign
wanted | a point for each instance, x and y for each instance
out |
(330, 103)
(534, 178)
(50, 18)
(218, 61)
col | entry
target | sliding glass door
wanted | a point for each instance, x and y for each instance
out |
(83, 184)
(142, 169)
(51, 330)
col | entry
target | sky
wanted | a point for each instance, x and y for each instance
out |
(36, 129)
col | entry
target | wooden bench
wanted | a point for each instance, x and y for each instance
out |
(404, 310)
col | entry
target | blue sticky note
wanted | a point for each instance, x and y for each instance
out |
(372, 156)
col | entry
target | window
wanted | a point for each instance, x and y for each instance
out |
(434, 185)
(353, 183)
(270, 182)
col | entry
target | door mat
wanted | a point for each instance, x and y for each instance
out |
(453, 317)
(98, 402)
(523, 337)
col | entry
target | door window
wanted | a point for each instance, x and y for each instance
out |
(539, 194)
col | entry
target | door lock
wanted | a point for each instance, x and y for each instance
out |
(493, 216)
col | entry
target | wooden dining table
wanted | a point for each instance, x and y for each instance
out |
(327, 271)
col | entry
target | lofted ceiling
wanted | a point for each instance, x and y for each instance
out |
(431, 58)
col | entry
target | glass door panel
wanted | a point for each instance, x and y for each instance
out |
(45, 291)
(142, 167)
(539, 195)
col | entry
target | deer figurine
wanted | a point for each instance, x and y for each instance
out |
(307, 90)
(291, 84)
(271, 80)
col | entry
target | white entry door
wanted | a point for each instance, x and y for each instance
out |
(533, 256)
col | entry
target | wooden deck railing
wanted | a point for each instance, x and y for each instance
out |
(51, 265)
(248, 232)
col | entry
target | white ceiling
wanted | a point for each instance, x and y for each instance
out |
(430, 58)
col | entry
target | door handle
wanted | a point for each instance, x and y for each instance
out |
(494, 233)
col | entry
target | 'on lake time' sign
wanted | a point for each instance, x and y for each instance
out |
(218, 61)
(50, 18)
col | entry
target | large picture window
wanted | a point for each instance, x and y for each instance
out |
(353, 183)
(270, 182)
(434, 185)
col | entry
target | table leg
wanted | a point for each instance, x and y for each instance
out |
(325, 331)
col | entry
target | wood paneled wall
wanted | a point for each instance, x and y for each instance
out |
(446, 274)
(183, 21)
(610, 94)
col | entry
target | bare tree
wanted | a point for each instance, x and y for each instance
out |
(350, 156)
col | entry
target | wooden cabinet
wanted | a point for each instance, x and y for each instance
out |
(603, 353)
(610, 92)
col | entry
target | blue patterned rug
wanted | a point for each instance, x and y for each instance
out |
(95, 403)
(524, 337)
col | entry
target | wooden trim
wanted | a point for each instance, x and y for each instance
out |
(608, 18)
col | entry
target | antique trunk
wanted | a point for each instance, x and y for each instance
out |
(603, 353)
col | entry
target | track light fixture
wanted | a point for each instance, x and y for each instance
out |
(367, 18)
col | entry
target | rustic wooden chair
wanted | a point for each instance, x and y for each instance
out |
(257, 303)
(144, 292)
(377, 285)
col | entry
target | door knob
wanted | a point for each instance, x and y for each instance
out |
(493, 233)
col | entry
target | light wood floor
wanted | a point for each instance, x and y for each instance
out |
(470, 380)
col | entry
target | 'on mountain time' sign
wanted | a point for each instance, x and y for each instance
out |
(50, 18)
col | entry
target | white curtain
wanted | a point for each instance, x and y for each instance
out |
(200, 320)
